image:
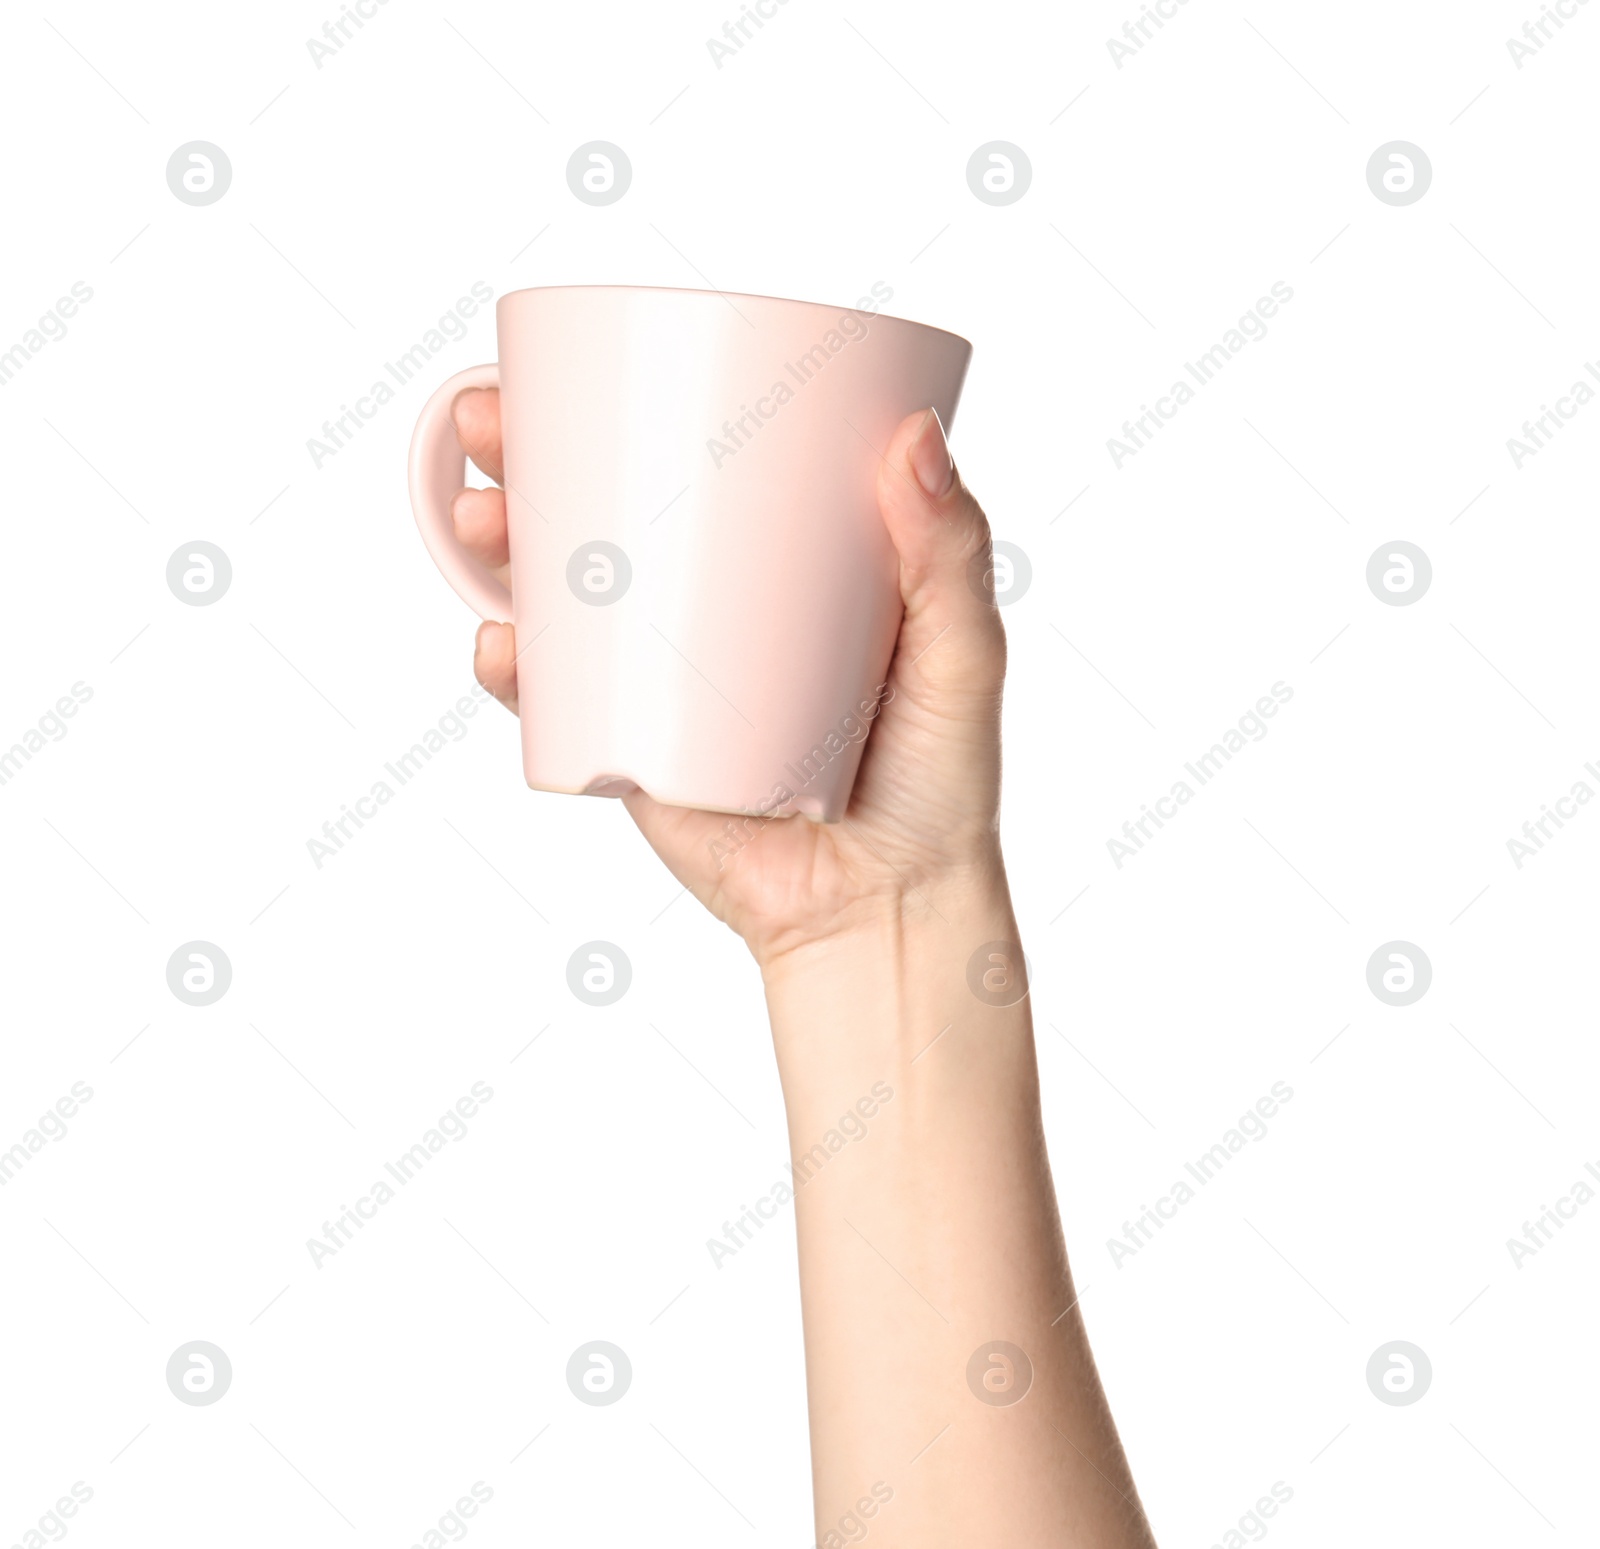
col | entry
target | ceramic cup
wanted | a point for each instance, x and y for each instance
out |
(704, 595)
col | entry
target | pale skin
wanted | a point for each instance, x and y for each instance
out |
(936, 1234)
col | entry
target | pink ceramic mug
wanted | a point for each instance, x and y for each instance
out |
(704, 594)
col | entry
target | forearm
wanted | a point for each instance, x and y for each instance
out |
(932, 1237)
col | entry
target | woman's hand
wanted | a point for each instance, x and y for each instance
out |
(922, 818)
(932, 1263)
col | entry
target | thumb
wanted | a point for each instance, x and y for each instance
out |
(952, 645)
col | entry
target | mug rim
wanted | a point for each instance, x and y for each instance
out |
(725, 295)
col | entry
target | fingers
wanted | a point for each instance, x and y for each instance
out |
(951, 638)
(494, 662)
(479, 516)
(476, 413)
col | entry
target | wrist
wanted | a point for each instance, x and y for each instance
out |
(873, 932)
(893, 975)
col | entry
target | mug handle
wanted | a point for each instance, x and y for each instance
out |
(438, 468)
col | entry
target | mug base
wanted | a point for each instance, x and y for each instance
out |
(615, 786)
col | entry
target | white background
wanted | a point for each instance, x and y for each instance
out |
(1167, 596)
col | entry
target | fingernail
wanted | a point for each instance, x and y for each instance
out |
(455, 403)
(930, 456)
